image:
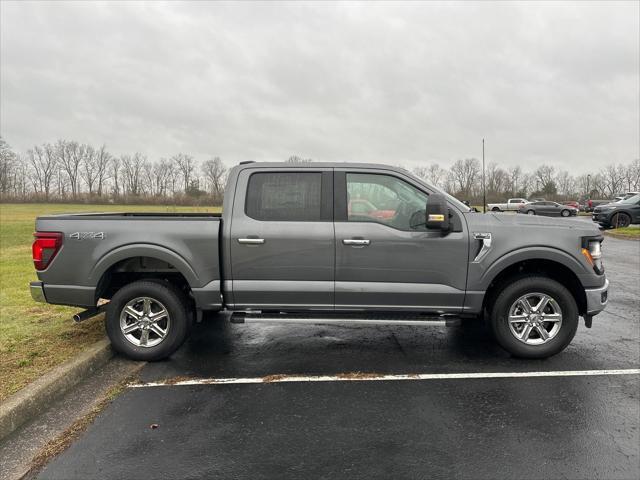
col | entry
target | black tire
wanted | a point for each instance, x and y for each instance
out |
(620, 220)
(495, 209)
(175, 303)
(531, 212)
(512, 292)
(565, 213)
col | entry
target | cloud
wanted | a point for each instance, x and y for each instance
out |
(386, 82)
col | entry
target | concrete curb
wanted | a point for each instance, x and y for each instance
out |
(35, 397)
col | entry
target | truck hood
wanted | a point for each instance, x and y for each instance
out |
(518, 221)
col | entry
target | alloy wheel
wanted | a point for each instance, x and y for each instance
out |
(144, 322)
(535, 318)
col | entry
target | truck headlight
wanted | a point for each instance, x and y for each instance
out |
(592, 251)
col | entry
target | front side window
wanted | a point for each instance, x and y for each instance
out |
(285, 196)
(385, 199)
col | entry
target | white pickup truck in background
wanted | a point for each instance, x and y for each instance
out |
(512, 204)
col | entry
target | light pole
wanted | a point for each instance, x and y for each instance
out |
(588, 180)
(484, 190)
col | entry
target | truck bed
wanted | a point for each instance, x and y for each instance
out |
(98, 245)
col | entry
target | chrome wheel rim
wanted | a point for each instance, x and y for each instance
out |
(531, 212)
(535, 318)
(565, 213)
(144, 322)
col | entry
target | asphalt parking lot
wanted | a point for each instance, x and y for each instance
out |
(583, 426)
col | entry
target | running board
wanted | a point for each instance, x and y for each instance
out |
(417, 320)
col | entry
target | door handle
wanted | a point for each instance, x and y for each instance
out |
(359, 242)
(251, 241)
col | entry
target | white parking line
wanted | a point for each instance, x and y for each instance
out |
(374, 377)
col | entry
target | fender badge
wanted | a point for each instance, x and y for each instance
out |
(87, 235)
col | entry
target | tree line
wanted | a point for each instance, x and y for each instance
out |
(464, 180)
(70, 171)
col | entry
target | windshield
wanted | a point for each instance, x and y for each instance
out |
(631, 200)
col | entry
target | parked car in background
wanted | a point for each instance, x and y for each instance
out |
(619, 214)
(512, 205)
(548, 209)
(573, 204)
(628, 195)
(591, 204)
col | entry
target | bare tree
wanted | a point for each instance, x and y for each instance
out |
(20, 175)
(89, 168)
(297, 159)
(420, 172)
(214, 173)
(132, 169)
(436, 174)
(632, 175)
(160, 175)
(614, 179)
(496, 178)
(185, 166)
(44, 162)
(544, 176)
(70, 156)
(515, 178)
(465, 174)
(102, 160)
(7, 166)
(115, 165)
(566, 183)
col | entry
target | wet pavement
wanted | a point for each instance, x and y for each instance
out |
(542, 427)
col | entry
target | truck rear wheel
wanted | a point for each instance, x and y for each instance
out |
(147, 320)
(534, 317)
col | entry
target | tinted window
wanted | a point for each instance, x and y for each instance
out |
(385, 199)
(285, 196)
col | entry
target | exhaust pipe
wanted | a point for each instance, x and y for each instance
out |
(87, 314)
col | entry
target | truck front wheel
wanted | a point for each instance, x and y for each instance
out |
(147, 320)
(534, 317)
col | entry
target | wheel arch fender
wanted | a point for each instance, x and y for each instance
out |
(568, 270)
(531, 254)
(157, 252)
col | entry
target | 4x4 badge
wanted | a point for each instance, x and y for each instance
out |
(87, 235)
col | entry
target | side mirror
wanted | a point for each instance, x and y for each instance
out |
(437, 213)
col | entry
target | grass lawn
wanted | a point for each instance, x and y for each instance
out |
(34, 337)
(632, 231)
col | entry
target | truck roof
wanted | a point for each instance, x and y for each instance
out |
(244, 165)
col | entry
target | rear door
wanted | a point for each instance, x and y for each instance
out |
(385, 257)
(282, 239)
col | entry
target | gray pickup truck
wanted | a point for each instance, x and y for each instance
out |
(324, 243)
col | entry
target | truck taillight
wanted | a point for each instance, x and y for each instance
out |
(45, 247)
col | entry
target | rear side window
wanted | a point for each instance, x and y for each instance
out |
(285, 196)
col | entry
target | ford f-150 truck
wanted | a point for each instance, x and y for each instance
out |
(289, 248)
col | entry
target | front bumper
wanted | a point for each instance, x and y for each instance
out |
(601, 217)
(37, 292)
(597, 298)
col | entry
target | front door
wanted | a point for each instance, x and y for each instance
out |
(282, 240)
(385, 257)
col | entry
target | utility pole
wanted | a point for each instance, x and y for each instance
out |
(588, 191)
(484, 190)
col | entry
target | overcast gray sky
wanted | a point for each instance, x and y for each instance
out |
(395, 83)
